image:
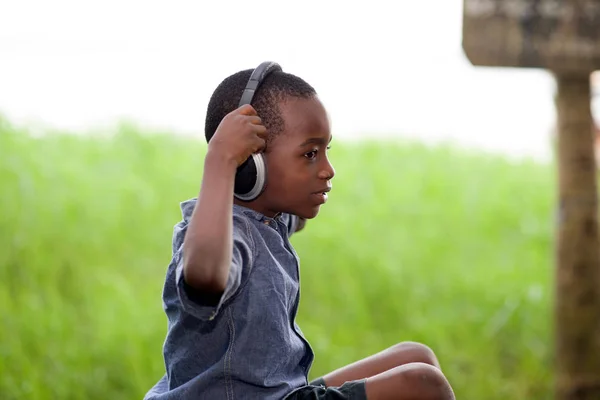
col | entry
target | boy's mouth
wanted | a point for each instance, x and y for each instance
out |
(322, 195)
(324, 191)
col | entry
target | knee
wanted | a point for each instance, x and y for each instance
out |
(414, 381)
(413, 352)
(426, 382)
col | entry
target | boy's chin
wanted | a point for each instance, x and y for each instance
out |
(308, 213)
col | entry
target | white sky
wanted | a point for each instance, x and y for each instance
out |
(380, 66)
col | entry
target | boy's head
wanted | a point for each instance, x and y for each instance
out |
(298, 170)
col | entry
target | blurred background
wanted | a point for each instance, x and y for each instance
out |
(439, 228)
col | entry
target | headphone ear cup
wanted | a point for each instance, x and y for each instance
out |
(245, 177)
(251, 178)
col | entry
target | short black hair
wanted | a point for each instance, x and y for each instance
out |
(274, 89)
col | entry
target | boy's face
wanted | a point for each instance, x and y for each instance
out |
(298, 170)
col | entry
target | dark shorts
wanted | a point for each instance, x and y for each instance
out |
(316, 390)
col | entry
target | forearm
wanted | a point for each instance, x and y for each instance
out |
(207, 247)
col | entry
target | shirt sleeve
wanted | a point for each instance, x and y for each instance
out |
(241, 260)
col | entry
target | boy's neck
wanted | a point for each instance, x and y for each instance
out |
(257, 207)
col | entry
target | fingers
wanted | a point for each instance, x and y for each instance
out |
(260, 146)
(247, 109)
(251, 124)
(254, 119)
(261, 135)
(256, 125)
(260, 130)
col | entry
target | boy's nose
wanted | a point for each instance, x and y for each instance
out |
(328, 172)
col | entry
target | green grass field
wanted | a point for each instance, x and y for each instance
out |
(437, 245)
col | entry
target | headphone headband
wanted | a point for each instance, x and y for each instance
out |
(260, 73)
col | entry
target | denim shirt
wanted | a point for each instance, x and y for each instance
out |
(248, 346)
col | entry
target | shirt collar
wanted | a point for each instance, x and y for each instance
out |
(187, 208)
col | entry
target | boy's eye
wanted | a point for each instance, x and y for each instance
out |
(311, 154)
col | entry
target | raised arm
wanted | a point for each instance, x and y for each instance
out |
(207, 247)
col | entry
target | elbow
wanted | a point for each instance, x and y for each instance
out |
(203, 276)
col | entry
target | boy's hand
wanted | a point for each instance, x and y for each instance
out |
(239, 135)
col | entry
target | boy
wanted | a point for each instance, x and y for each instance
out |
(232, 288)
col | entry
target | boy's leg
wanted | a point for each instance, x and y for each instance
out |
(388, 359)
(413, 381)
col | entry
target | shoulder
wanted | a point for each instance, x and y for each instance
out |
(240, 217)
(242, 231)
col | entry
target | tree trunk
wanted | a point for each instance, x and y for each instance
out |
(577, 303)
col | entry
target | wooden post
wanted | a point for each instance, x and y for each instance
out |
(562, 36)
(577, 303)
